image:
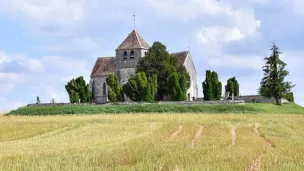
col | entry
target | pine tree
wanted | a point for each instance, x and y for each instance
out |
(273, 84)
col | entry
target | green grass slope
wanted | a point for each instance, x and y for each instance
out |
(161, 108)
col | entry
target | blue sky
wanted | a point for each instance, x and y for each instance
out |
(43, 44)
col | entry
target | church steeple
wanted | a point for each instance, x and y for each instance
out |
(133, 41)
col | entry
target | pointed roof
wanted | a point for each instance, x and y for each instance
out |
(103, 67)
(133, 41)
(181, 56)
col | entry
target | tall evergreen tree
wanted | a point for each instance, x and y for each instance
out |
(215, 86)
(207, 86)
(273, 83)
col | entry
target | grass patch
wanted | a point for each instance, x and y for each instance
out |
(161, 108)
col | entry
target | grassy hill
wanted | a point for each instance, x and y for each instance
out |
(253, 108)
(153, 142)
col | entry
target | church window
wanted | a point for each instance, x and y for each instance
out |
(132, 54)
(104, 90)
(125, 55)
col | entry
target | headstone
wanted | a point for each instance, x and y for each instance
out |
(226, 95)
(38, 100)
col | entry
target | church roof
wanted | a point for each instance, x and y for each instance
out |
(103, 66)
(106, 65)
(181, 56)
(133, 41)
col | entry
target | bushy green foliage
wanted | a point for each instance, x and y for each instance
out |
(115, 93)
(79, 90)
(160, 63)
(212, 87)
(140, 88)
(232, 87)
(289, 97)
(273, 83)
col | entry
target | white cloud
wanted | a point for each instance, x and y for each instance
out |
(32, 64)
(46, 14)
(3, 57)
(58, 96)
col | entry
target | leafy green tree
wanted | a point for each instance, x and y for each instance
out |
(273, 83)
(78, 90)
(160, 63)
(115, 91)
(232, 87)
(175, 89)
(212, 87)
(289, 97)
(184, 87)
(207, 86)
(140, 88)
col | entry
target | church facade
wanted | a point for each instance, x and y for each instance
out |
(124, 63)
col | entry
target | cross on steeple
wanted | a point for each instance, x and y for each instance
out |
(134, 16)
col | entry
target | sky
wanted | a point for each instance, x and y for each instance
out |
(44, 44)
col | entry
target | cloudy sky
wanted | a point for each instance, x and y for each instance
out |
(43, 44)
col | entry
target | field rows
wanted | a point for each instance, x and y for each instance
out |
(152, 142)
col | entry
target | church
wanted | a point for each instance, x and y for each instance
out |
(124, 63)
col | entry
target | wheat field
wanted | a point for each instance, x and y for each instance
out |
(152, 142)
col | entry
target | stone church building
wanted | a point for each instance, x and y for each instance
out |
(124, 63)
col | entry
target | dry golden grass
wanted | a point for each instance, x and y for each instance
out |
(145, 142)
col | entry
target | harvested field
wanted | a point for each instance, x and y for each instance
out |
(152, 142)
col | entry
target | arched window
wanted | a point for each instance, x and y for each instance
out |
(125, 55)
(104, 89)
(132, 54)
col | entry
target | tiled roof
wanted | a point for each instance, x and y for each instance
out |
(181, 56)
(103, 67)
(133, 41)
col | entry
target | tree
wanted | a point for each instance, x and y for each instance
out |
(115, 93)
(78, 90)
(207, 86)
(273, 83)
(289, 97)
(232, 87)
(159, 62)
(212, 87)
(140, 88)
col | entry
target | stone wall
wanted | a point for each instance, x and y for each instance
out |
(193, 91)
(100, 89)
(128, 62)
(136, 103)
(125, 74)
(258, 99)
